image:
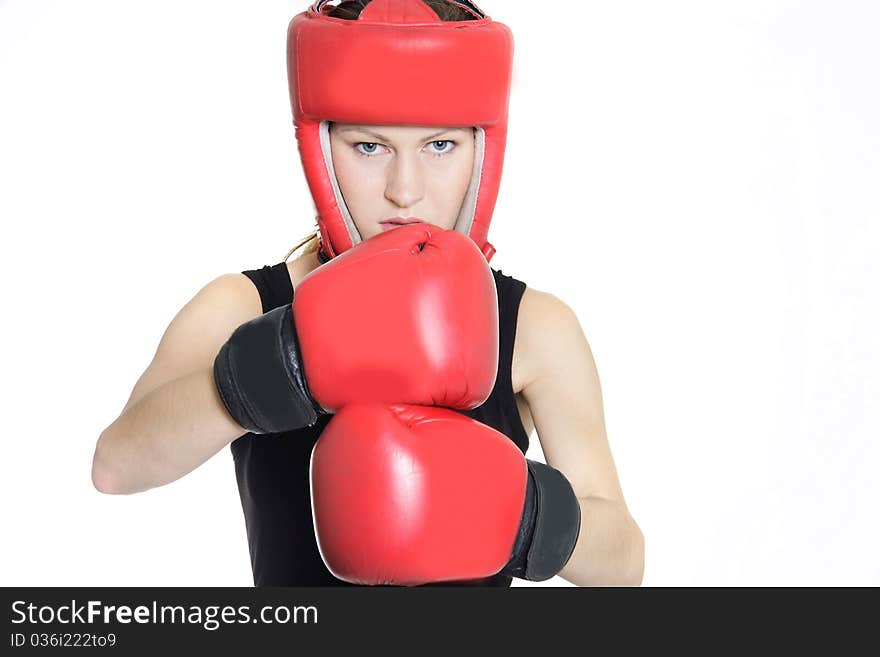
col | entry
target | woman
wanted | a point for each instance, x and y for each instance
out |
(391, 131)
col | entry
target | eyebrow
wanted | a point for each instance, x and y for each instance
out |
(384, 138)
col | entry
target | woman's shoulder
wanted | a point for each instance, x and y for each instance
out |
(543, 322)
(229, 290)
(537, 302)
(198, 330)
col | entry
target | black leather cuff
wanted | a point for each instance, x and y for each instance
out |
(550, 526)
(260, 378)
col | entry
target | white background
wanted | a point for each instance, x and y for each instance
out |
(698, 180)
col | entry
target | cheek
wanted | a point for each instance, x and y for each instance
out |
(453, 176)
(357, 179)
(466, 168)
(343, 165)
(462, 178)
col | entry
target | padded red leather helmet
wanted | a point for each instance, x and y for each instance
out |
(399, 64)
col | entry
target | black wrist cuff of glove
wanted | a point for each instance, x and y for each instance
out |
(550, 526)
(260, 377)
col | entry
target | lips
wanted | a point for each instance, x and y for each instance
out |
(397, 222)
(402, 221)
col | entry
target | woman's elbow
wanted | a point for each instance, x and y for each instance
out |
(102, 474)
(637, 560)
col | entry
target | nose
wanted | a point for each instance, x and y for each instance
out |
(406, 181)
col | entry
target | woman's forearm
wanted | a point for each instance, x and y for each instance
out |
(610, 550)
(163, 436)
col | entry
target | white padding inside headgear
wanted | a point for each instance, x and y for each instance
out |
(324, 131)
(469, 206)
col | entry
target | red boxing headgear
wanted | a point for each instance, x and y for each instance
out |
(399, 64)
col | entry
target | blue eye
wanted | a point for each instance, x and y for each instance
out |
(365, 143)
(451, 145)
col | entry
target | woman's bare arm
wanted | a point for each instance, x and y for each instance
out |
(174, 420)
(565, 400)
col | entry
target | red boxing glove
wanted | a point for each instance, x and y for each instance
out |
(412, 494)
(410, 316)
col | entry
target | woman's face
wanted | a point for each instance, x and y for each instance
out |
(389, 173)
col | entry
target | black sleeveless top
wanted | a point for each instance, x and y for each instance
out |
(273, 469)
